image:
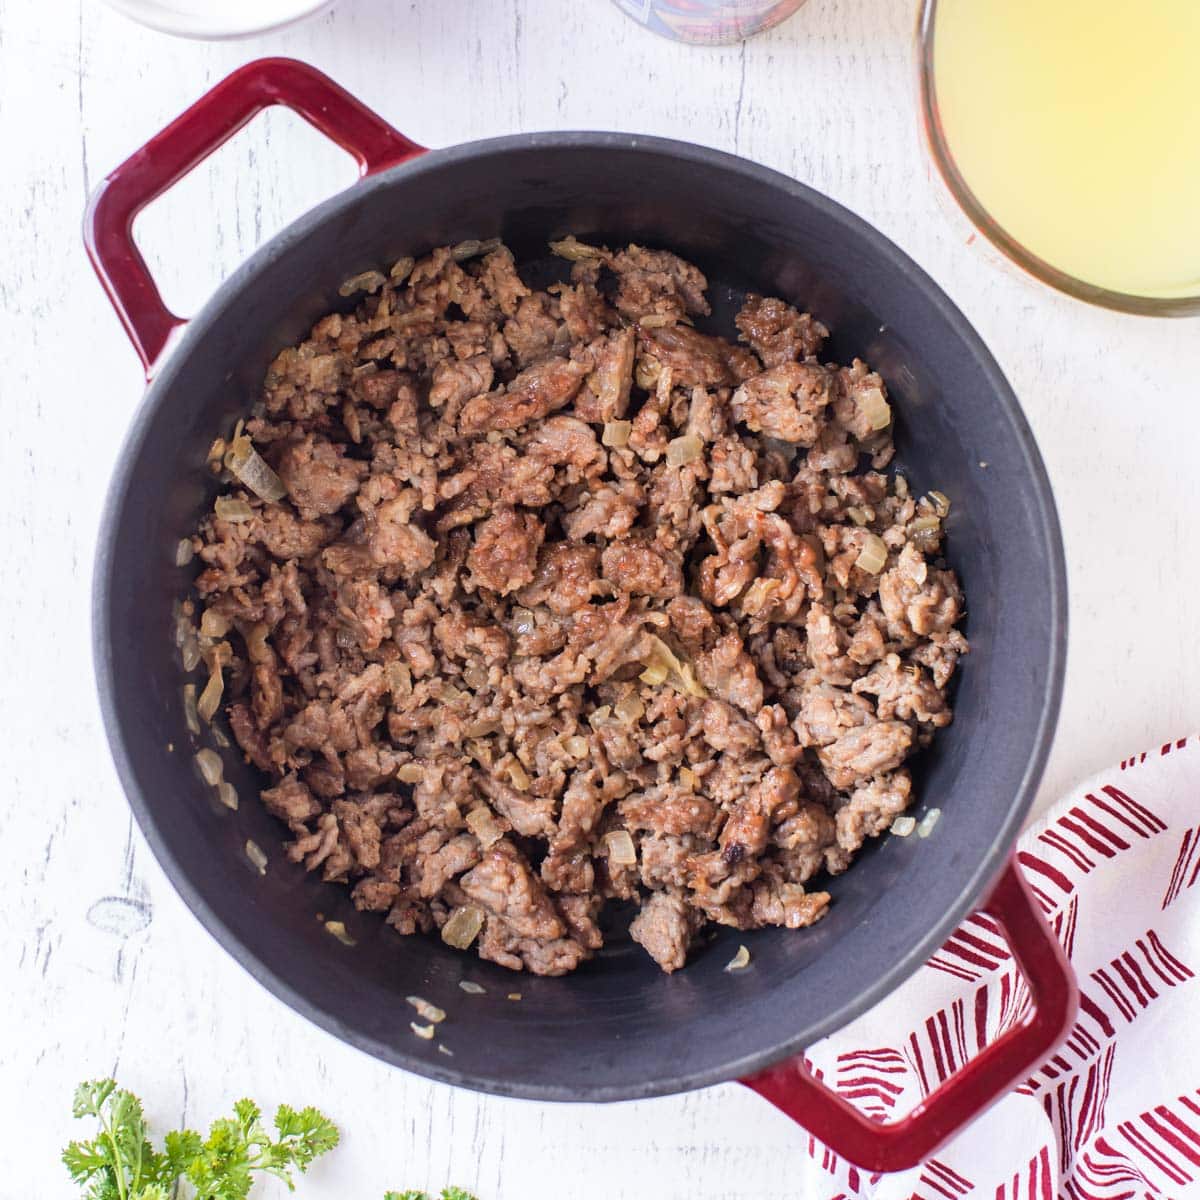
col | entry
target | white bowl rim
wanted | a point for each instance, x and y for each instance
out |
(226, 19)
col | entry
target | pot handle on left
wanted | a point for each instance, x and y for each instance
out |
(189, 139)
(898, 1145)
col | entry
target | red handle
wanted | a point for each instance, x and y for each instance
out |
(188, 140)
(902, 1144)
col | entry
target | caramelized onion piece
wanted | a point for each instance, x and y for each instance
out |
(338, 929)
(463, 926)
(483, 824)
(683, 450)
(876, 409)
(210, 698)
(211, 767)
(619, 847)
(254, 852)
(872, 558)
(189, 708)
(425, 1010)
(616, 433)
(230, 508)
(740, 961)
(251, 469)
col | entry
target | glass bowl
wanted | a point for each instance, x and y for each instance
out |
(990, 227)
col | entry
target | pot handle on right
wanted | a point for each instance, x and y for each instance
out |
(188, 140)
(899, 1145)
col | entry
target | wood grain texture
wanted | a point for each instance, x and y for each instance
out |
(102, 969)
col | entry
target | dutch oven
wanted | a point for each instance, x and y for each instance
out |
(618, 1028)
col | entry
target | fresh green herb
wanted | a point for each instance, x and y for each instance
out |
(450, 1193)
(120, 1163)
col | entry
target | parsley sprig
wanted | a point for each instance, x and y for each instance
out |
(450, 1193)
(120, 1163)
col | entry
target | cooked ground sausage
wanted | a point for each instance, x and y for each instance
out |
(567, 601)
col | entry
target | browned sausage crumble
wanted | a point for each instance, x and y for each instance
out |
(555, 600)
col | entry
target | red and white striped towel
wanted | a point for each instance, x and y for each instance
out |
(1115, 1113)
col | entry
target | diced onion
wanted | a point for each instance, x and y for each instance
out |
(189, 708)
(616, 433)
(475, 677)
(399, 679)
(903, 826)
(574, 250)
(184, 552)
(216, 455)
(480, 751)
(928, 821)
(368, 281)
(872, 558)
(410, 773)
(211, 767)
(646, 372)
(227, 794)
(230, 508)
(524, 622)
(875, 408)
(687, 778)
(473, 247)
(690, 685)
(900, 484)
(683, 450)
(251, 469)
(740, 961)
(402, 269)
(618, 845)
(924, 525)
(219, 737)
(463, 926)
(190, 654)
(425, 1010)
(210, 698)
(599, 716)
(338, 929)
(576, 746)
(483, 824)
(478, 729)
(518, 776)
(214, 624)
(472, 988)
(254, 852)
(629, 707)
(941, 503)
(422, 1031)
(664, 667)
(514, 995)
(445, 1050)
(758, 596)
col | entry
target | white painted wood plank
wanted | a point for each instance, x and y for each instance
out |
(102, 967)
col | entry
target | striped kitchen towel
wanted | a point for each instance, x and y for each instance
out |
(1115, 1112)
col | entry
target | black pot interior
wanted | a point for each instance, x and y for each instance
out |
(617, 1028)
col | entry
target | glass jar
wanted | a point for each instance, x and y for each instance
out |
(708, 22)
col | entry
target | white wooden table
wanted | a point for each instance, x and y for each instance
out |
(102, 970)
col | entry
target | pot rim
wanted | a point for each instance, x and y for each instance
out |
(779, 1047)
